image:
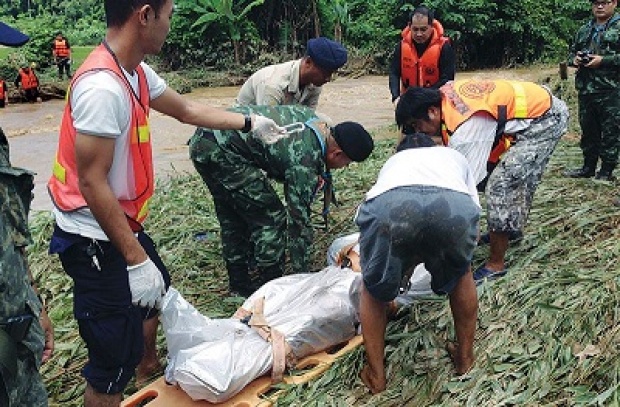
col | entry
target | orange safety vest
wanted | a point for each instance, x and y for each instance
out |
(60, 48)
(503, 99)
(1, 89)
(63, 184)
(29, 79)
(422, 70)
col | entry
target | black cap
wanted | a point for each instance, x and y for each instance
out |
(354, 140)
(326, 53)
(9, 36)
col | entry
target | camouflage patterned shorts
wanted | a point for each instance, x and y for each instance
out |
(512, 184)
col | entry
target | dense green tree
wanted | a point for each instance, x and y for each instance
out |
(228, 15)
(218, 33)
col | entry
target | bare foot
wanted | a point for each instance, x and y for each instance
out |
(463, 359)
(369, 378)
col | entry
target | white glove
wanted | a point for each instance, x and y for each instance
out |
(266, 129)
(146, 284)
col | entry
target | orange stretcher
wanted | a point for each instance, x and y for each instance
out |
(257, 393)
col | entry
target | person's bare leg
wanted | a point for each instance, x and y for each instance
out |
(374, 320)
(94, 399)
(498, 246)
(464, 306)
(150, 362)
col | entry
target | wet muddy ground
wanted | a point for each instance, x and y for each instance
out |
(32, 129)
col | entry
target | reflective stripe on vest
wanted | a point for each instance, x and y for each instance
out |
(63, 185)
(60, 48)
(420, 70)
(504, 100)
(29, 79)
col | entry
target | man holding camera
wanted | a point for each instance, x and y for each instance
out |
(595, 53)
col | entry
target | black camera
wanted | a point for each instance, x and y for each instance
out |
(584, 56)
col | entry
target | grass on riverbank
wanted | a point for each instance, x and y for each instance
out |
(78, 53)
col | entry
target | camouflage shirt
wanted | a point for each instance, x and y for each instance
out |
(600, 40)
(16, 294)
(298, 162)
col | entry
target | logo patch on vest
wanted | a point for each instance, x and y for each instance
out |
(476, 90)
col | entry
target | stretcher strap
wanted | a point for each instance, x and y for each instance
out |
(283, 355)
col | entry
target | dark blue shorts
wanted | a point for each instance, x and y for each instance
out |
(108, 322)
(409, 225)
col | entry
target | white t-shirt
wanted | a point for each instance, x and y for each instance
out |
(474, 139)
(100, 107)
(433, 166)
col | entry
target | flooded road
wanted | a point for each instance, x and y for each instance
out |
(32, 129)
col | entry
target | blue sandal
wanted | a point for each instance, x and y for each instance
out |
(483, 273)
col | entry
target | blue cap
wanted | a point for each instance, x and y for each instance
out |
(327, 54)
(9, 36)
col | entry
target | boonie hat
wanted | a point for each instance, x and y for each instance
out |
(326, 53)
(354, 140)
(10, 37)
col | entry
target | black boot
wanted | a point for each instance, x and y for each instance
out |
(605, 173)
(583, 172)
(239, 282)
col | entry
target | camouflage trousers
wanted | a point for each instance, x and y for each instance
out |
(511, 186)
(251, 215)
(27, 388)
(599, 119)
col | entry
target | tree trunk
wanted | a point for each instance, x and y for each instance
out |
(236, 47)
(338, 32)
(317, 23)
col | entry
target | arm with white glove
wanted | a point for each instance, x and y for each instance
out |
(146, 284)
(266, 129)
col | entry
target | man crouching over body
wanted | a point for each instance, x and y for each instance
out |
(424, 208)
(254, 222)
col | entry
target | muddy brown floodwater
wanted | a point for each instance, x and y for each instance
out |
(32, 129)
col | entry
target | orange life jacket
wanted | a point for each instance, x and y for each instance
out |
(60, 48)
(133, 191)
(29, 79)
(503, 99)
(422, 70)
(1, 89)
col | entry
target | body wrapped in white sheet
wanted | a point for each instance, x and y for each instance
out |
(214, 359)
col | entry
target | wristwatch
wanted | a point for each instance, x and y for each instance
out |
(247, 124)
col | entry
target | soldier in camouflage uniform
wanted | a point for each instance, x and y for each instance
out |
(237, 169)
(23, 348)
(596, 54)
(474, 117)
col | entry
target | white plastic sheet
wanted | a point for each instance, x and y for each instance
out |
(210, 359)
(214, 359)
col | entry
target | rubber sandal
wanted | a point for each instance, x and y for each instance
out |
(483, 273)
